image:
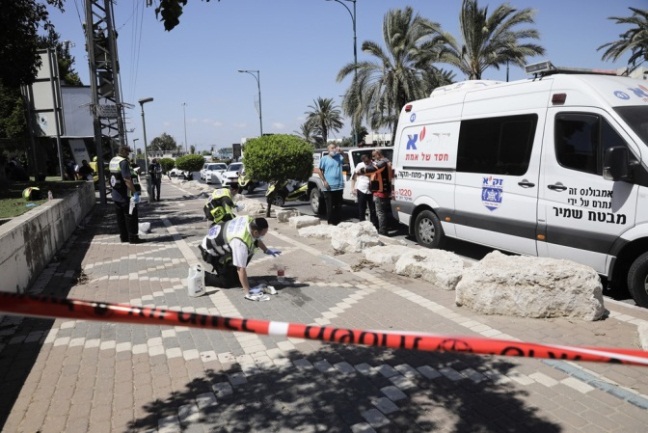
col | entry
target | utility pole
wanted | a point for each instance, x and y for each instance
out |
(107, 108)
(184, 117)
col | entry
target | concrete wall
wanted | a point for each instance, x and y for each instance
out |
(28, 243)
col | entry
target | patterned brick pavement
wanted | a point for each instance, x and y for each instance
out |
(75, 376)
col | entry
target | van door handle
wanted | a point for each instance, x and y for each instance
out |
(557, 187)
(526, 184)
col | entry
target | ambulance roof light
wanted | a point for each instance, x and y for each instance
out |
(547, 68)
(539, 68)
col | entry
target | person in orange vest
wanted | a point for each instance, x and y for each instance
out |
(381, 175)
(361, 188)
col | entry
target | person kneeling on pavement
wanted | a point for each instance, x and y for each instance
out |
(229, 247)
(220, 207)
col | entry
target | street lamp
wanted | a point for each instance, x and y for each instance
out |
(135, 147)
(147, 175)
(184, 115)
(355, 56)
(257, 77)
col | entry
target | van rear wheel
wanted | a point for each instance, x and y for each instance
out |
(428, 231)
(638, 280)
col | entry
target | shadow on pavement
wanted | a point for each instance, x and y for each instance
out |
(21, 338)
(319, 396)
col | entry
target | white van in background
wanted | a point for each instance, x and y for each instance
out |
(552, 166)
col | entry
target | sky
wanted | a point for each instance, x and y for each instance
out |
(298, 46)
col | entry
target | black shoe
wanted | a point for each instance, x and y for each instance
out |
(136, 241)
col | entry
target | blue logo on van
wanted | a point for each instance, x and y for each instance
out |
(621, 95)
(492, 192)
(411, 142)
(412, 117)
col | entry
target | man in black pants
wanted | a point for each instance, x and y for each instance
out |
(155, 171)
(330, 171)
(381, 175)
(125, 187)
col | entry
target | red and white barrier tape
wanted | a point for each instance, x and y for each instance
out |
(43, 306)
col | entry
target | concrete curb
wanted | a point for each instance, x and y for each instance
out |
(30, 241)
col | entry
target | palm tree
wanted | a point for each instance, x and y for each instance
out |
(634, 40)
(324, 116)
(307, 132)
(401, 73)
(490, 40)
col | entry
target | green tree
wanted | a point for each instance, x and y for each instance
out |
(163, 143)
(277, 158)
(167, 164)
(490, 41)
(65, 60)
(634, 40)
(324, 116)
(307, 132)
(169, 12)
(190, 163)
(20, 21)
(400, 73)
(13, 126)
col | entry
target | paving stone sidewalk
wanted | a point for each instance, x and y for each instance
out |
(73, 376)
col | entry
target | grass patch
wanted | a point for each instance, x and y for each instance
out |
(12, 204)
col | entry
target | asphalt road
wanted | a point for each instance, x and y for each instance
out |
(466, 250)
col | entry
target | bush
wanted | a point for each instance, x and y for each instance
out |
(190, 163)
(167, 164)
(278, 157)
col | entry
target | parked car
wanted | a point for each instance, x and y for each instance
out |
(232, 173)
(211, 172)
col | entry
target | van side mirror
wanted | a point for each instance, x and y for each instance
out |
(616, 164)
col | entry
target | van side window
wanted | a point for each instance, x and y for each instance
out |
(581, 140)
(497, 145)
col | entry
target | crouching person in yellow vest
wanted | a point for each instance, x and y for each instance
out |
(220, 206)
(229, 247)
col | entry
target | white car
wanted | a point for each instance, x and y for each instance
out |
(212, 171)
(232, 173)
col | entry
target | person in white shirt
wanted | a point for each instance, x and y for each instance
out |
(360, 187)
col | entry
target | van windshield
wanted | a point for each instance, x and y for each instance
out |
(637, 117)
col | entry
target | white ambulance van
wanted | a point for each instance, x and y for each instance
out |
(553, 166)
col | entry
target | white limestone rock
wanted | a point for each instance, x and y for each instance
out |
(250, 207)
(322, 231)
(642, 329)
(385, 254)
(441, 268)
(354, 237)
(284, 215)
(531, 287)
(303, 221)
